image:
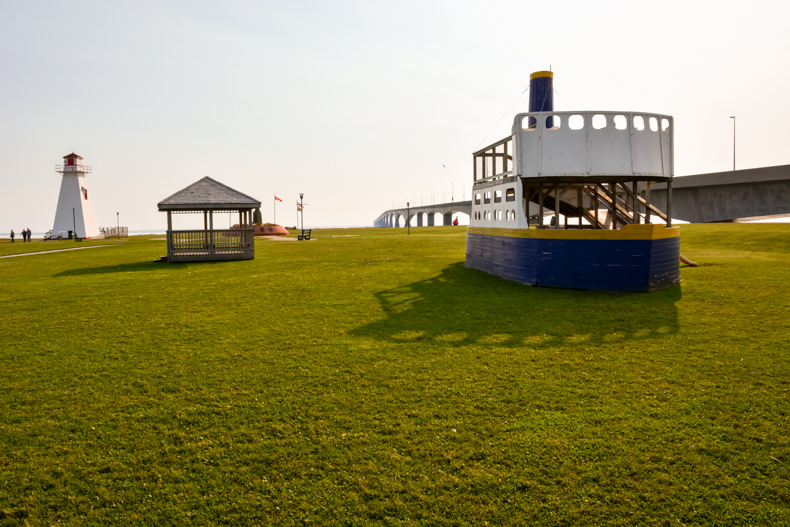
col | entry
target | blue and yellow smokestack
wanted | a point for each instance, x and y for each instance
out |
(541, 95)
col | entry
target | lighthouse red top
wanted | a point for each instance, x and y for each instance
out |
(71, 160)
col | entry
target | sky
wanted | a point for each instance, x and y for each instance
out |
(360, 105)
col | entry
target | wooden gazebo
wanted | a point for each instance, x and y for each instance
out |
(207, 197)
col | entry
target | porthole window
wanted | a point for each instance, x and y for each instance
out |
(576, 122)
(639, 123)
(528, 124)
(620, 122)
(599, 121)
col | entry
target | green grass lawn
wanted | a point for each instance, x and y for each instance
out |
(373, 379)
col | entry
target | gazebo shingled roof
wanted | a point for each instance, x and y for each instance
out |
(208, 195)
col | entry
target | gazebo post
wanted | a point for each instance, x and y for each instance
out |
(205, 229)
(211, 231)
(169, 232)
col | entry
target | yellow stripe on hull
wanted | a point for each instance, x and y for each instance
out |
(628, 232)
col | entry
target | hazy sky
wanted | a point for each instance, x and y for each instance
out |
(358, 104)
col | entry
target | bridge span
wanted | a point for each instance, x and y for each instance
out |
(701, 198)
(392, 218)
(727, 196)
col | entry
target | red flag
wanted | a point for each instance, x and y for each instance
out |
(278, 199)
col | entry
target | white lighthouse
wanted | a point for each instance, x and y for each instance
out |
(75, 209)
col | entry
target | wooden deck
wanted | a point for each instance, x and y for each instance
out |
(210, 245)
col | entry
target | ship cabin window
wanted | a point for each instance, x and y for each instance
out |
(477, 199)
(497, 196)
(510, 194)
(487, 198)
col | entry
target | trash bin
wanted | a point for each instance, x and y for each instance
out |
(70, 234)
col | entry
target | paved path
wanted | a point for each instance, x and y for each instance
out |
(56, 251)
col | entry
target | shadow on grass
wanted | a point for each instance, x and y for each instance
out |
(142, 266)
(122, 268)
(464, 306)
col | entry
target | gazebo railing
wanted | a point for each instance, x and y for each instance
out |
(211, 244)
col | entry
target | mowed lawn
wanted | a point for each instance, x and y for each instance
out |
(367, 377)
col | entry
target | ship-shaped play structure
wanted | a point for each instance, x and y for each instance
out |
(565, 200)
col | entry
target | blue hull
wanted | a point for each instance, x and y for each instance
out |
(638, 258)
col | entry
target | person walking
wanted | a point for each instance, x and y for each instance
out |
(24, 235)
(12, 235)
(29, 235)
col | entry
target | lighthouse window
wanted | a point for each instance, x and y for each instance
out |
(664, 125)
(620, 122)
(477, 199)
(498, 215)
(510, 194)
(497, 196)
(487, 197)
(639, 122)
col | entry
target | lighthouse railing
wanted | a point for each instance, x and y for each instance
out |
(73, 168)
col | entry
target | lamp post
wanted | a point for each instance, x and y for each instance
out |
(118, 224)
(301, 207)
(733, 142)
(408, 223)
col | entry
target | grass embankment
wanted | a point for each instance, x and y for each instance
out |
(374, 380)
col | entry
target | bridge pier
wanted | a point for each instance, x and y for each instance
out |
(431, 217)
(448, 218)
(419, 220)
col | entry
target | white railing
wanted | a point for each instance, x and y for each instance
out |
(494, 161)
(73, 168)
(115, 232)
(588, 144)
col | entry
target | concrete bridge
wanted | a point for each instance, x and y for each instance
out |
(392, 218)
(702, 198)
(727, 196)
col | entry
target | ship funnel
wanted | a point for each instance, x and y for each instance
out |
(541, 95)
